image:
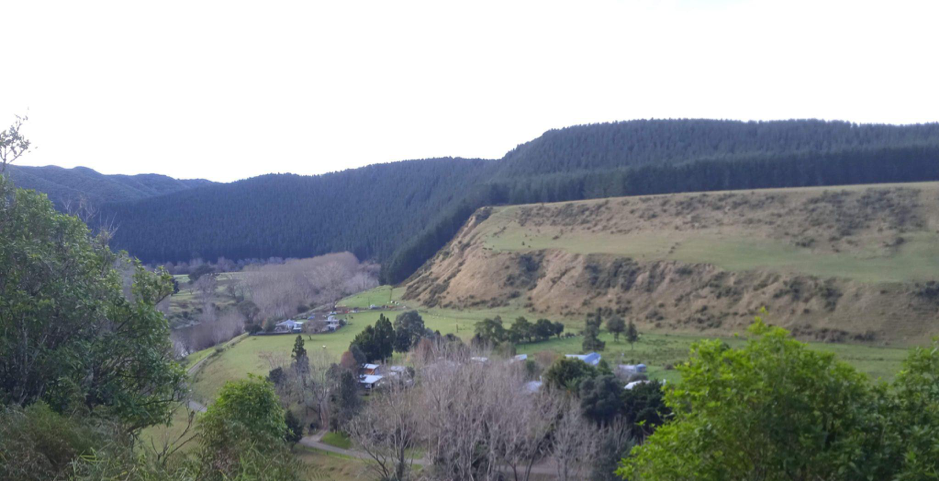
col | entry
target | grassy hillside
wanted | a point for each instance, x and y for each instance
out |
(854, 264)
(885, 233)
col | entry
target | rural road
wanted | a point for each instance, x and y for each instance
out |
(196, 405)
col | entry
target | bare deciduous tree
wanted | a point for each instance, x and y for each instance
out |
(573, 443)
(206, 286)
(321, 383)
(12, 143)
(386, 429)
(278, 288)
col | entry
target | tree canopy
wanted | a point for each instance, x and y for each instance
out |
(74, 333)
(776, 410)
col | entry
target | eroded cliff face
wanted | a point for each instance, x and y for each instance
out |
(669, 294)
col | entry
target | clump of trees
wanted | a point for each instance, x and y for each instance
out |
(64, 316)
(592, 340)
(376, 343)
(409, 330)
(278, 289)
(491, 332)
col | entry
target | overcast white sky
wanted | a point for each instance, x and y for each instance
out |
(227, 90)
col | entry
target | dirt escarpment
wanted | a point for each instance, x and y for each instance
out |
(668, 294)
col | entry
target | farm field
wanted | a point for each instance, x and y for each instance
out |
(323, 466)
(655, 349)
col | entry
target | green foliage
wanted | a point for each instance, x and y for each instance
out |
(385, 337)
(543, 329)
(37, 443)
(298, 354)
(245, 422)
(915, 414)
(772, 410)
(558, 329)
(632, 335)
(357, 354)
(592, 340)
(600, 398)
(294, 427)
(490, 331)
(616, 325)
(409, 329)
(69, 333)
(337, 439)
(567, 373)
(277, 376)
(375, 343)
(521, 330)
(644, 408)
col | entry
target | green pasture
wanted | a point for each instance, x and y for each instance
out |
(655, 349)
(339, 440)
(246, 358)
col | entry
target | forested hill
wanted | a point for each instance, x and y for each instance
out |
(634, 143)
(69, 185)
(402, 213)
(368, 211)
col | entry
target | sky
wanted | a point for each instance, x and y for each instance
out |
(228, 90)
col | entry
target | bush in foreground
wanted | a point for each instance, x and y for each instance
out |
(775, 410)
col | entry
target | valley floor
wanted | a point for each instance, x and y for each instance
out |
(661, 351)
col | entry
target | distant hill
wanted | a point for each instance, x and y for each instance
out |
(69, 185)
(589, 148)
(367, 211)
(857, 263)
(401, 213)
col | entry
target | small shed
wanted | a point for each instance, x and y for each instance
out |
(369, 382)
(592, 358)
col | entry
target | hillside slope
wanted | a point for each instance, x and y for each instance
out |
(837, 264)
(69, 185)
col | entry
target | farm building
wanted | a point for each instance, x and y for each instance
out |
(289, 326)
(592, 358)
(369, 382)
